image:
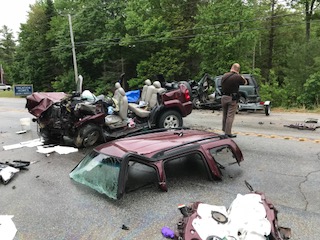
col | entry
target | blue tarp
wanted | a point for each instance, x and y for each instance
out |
(133, 96)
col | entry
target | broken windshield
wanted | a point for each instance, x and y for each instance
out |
(100, 172)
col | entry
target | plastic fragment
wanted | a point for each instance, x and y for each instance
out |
(167, 232)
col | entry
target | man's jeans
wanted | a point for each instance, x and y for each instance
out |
(229, 109)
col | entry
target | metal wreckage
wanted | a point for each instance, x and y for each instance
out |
(117, 167)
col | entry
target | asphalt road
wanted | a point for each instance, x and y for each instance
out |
(282, 162)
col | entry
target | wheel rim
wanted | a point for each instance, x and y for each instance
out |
(171, 122)
(196, 103)
(91, 139)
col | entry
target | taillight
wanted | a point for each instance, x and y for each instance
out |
(187, 95)
(261, 103)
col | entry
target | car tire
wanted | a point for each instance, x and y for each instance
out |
(170, 119)
(87, 136)
(267, 110)
(196, 103)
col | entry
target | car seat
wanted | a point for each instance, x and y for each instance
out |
(119, 119)
(147, 83)
(151, 99)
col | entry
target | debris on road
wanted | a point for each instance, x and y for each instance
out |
(58, 149)
(7, 228)
(124, 227)
(250, 216)
(46, 149)
(167, 232)
(311, 120)
(302, 126)
(31, 143)
(8, 170)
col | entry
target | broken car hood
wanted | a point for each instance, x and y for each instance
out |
(39, 102)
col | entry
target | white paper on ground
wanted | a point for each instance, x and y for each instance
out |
(7, 173)
(7, 228)
(31, 143)
(58, 149)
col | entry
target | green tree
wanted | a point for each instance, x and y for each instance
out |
(34, 62)
(224, 35)
(7, 51)
(155, 26)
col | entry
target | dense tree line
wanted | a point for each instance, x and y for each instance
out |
(278, 41)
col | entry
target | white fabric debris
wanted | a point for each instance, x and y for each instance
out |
(58, 149)
(7, 173)
(7, 228)
(31, 143)
(246, 220)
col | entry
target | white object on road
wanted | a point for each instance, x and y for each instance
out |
(58, 149)
(31, 143)
(25, 124)
(7, 228)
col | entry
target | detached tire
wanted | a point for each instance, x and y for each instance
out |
(87, 136)
(170, 119)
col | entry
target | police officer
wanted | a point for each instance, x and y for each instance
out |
(230, 83)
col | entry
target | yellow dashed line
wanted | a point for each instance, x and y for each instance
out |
(271, 136)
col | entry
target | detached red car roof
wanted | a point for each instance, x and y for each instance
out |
(107, 167)
(154, 142)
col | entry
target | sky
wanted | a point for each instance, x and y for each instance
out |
(14, 12)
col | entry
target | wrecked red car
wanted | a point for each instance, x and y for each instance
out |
(249, 217)
(119, 166)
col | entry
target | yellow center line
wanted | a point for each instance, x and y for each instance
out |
(270, 136)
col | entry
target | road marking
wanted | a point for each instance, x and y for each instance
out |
(270, 136)
(280, 137)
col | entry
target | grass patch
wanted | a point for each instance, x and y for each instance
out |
(295, 110)
(8, 94)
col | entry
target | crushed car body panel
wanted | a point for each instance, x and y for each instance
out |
(250, 216)
(39, 102)
(152, 149)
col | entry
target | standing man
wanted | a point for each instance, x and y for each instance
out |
(230, 83)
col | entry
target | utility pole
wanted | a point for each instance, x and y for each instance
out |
(73, 51)
(1, 70)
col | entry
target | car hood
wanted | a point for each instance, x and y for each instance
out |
(39, 102)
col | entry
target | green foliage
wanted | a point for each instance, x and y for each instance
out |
(180, 39)
(224, 35)
(7, 51)
(310, 97)
(158, 64)
(65, 83)
(271, 91)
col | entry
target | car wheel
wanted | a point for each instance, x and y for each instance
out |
(242, 100)
(170, 119)
(267, 110)
(87, 136)
(196, 103)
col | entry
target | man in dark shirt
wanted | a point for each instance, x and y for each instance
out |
(230, 83)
